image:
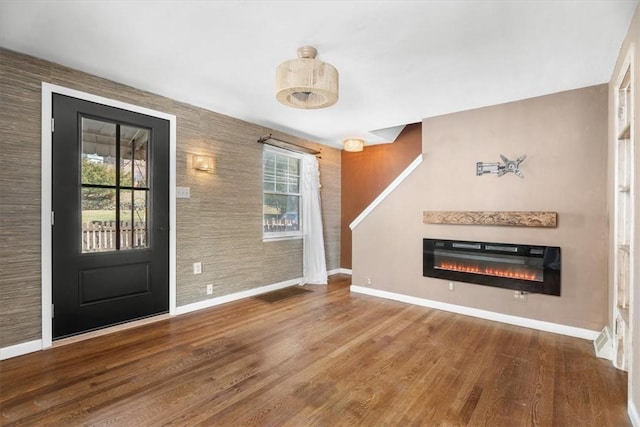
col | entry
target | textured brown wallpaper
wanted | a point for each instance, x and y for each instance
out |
(367, 173)
(220, 225)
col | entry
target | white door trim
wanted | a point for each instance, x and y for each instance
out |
(47, 96)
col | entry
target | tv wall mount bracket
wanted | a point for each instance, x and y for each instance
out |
(501, 168)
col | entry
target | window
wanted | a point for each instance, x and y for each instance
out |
(281, 194)
(114, 186)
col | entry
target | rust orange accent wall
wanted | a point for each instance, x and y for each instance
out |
(367, 173)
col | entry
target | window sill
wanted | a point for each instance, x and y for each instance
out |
(282, 237)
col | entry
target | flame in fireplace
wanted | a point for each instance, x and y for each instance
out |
(488, 271)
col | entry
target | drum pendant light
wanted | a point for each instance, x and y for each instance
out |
(305, 82)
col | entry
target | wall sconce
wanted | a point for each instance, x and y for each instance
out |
(353, 144)
(203, 163)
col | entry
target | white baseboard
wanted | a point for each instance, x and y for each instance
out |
(32, 346)
(236, 296)
(482, 314)
(339, 271)
(634, 415)
(20, 349)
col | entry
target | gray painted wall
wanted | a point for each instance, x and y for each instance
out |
(220, 225)
(564, 136)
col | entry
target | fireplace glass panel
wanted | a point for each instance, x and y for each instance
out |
(511, 266)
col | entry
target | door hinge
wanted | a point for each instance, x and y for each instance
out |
(53, 218)
(52, 311)
(53, 124)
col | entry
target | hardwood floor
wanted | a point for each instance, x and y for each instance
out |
(324, 358)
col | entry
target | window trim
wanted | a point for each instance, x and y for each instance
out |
(283, 235)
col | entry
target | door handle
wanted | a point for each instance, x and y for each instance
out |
(163, 228)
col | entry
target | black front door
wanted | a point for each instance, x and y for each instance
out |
(110, 235)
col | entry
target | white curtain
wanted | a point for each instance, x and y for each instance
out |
(314, 266)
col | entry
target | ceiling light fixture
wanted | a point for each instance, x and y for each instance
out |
(306, 82)
(353, 144)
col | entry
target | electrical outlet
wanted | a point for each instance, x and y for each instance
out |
(452, 286)
(209, 289)
(368, 280)
(197, 268)
(520, 296)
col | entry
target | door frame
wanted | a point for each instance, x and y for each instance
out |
(48, 90)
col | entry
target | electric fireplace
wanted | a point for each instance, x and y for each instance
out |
(526, 268)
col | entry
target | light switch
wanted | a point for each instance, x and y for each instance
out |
(197, 268)
(183, 192)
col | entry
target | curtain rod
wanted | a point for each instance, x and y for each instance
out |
(292, 147)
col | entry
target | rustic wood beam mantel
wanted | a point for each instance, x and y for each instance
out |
(513, 219)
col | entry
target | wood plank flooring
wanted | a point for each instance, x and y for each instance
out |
(324, 358)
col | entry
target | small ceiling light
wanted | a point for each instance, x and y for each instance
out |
(353, 144)
(306, 82)
(203, 163)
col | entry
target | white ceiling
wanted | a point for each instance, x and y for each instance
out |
(399, 61)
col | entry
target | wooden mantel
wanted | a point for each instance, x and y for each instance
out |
(506, 218)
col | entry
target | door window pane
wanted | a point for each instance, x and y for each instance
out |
(126, 219)
(98, 220)
(98, 152)
(133, 219)
(134, 142)
(140, 229)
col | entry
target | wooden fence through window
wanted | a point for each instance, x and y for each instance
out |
(100, 236)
